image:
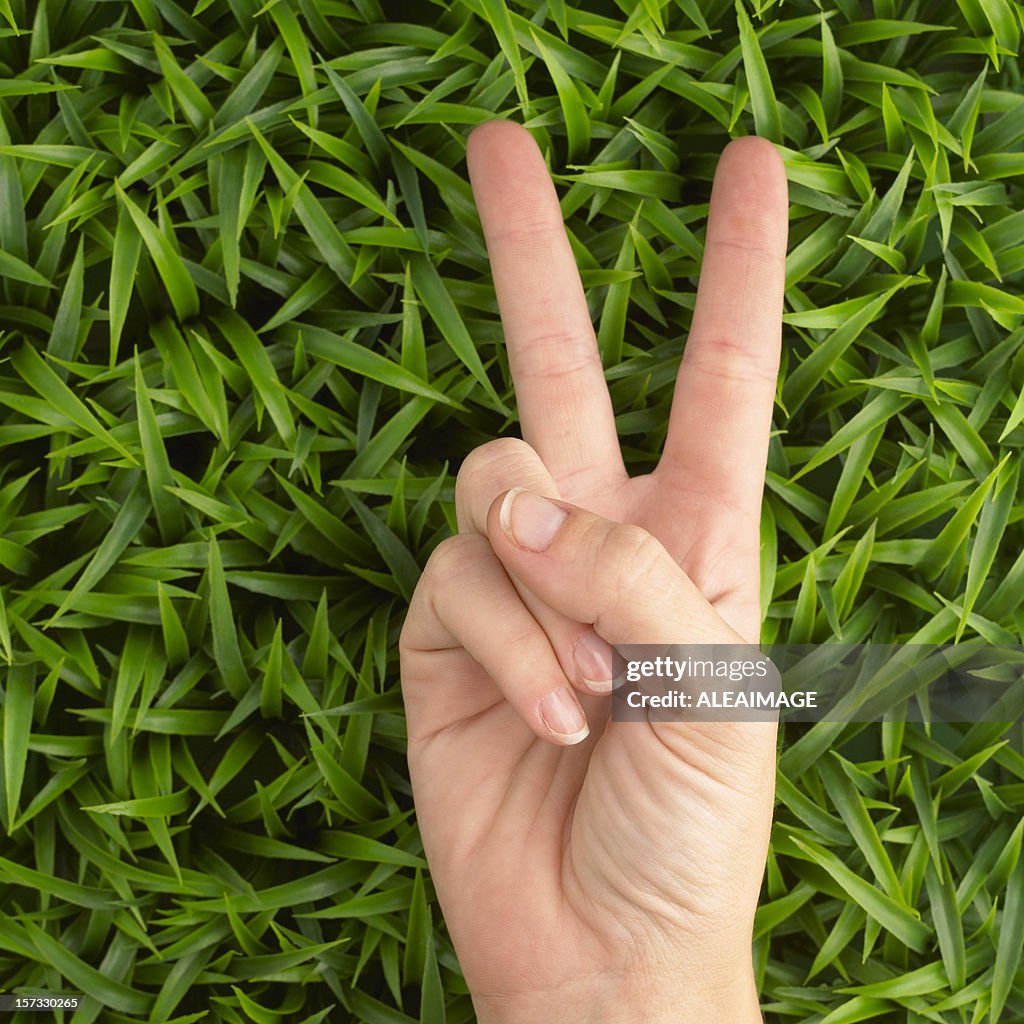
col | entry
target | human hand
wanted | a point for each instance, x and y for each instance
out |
(612, 876)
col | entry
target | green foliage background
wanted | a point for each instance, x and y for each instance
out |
(247, 334)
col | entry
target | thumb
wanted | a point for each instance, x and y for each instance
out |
(622, 580)
(617, 576)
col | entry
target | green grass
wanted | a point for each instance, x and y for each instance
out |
(247, 334)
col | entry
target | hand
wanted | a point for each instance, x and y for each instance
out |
(609, 876)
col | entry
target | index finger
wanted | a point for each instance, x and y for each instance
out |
(564, 406)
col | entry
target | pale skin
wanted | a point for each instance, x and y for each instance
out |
(607, 876)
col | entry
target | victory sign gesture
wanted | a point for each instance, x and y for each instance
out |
(592, 870)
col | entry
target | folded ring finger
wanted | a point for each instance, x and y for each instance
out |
(489, 470)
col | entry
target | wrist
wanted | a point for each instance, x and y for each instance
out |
(596, 1001)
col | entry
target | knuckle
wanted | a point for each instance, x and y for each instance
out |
(407, 635)
(453, 558)
(528, 641)
(721, 357)
(742, 237)
(456, 564)
(571, 346)
(627, 557)
(630, 546)
(528, 235)
(486, 466)
(485, 460)
(559, 356)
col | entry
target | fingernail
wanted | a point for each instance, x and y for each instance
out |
(530, 520)
(594, 662)
(563, 715)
